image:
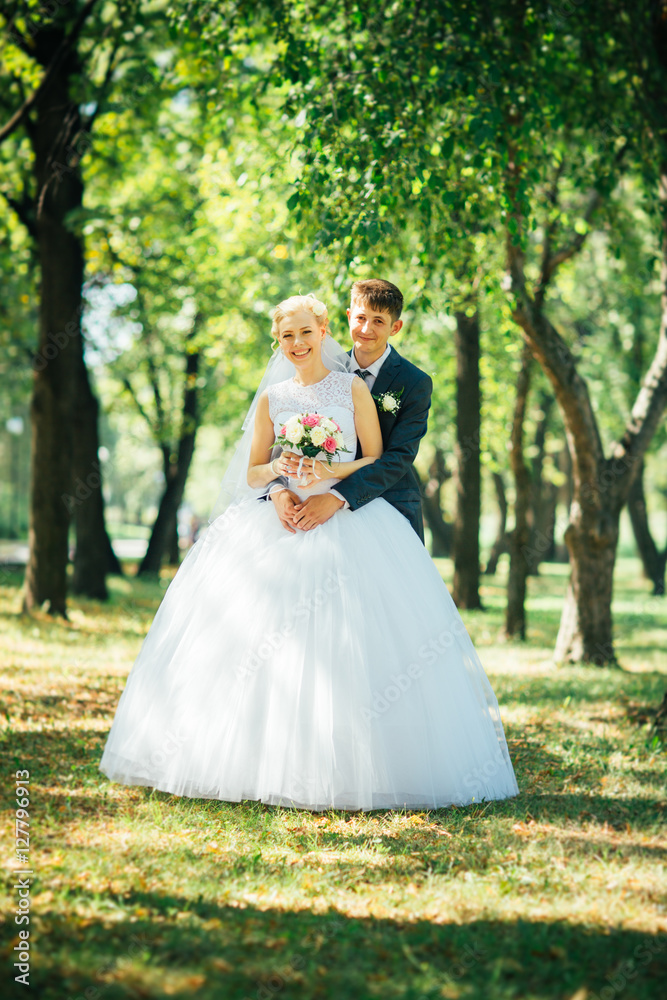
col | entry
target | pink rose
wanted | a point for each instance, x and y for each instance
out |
(330, 445)
(283, 430)
(311, 420)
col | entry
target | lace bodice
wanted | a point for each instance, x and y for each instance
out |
(335, 389)
(332, 397)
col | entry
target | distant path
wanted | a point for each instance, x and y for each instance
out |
(16, 553)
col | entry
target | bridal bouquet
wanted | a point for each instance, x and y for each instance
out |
(314, 436)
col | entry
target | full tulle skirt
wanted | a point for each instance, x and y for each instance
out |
(323, 669)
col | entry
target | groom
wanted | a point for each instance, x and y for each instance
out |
(402, 394)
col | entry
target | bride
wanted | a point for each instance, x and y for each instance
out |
(323, 668)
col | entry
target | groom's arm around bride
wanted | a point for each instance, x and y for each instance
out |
(392, 476)
(403, 397)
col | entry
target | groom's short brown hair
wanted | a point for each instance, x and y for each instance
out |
(380, 295)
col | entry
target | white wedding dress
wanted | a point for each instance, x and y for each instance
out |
(323, 669)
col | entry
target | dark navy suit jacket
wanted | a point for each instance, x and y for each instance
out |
(392, 476)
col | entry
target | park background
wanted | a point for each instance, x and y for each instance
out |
(168, 172)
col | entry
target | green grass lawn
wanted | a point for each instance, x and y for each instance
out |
(558, 893)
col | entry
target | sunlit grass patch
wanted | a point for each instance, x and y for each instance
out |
(143, 894)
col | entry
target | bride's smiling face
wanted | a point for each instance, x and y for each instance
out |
(300, 337)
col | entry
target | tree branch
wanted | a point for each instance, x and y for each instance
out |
(22, 94)
(155, 385)
(135, 399)
(559, 365)
(551, 262)
(651, 400)
(554, 261)
(62, 50)
(22, 209)
(549, 229)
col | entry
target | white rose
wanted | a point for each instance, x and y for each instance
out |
(329, 425)
(293, 430)
(389, 403)
(318, 435)
(338, 438)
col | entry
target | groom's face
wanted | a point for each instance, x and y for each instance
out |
(370, 330)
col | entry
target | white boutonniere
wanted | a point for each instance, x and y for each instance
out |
(389, 402)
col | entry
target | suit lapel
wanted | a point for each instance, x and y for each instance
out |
(386, 377)
(388, 373)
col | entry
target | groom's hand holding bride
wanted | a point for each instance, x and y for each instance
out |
(304, 515)
(294, 513)
(316, 510)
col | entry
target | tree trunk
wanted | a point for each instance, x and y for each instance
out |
(112, 562)
(59, 192)
(541, 541)
(441, 530)
(93, 547)
(515, 615)
(173, 548)
(600, 486)
(171, 552)
(468, 492)
(164, 528)
(653, 560)
(543, 534)
(592, 535)
(500, 545)
(586, 627)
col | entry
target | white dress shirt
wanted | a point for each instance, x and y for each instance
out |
(374, 369)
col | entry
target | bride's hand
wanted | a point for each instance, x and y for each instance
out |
(324, 470)
(309, 474)
(314, 471)
(286, 464)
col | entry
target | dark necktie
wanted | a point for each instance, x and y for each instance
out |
(364, 373)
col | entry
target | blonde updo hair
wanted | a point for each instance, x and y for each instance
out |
(296, 303)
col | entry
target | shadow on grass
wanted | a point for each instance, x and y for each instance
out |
(583, 684)
(70, 758)
(642, 813)
(153, 945)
